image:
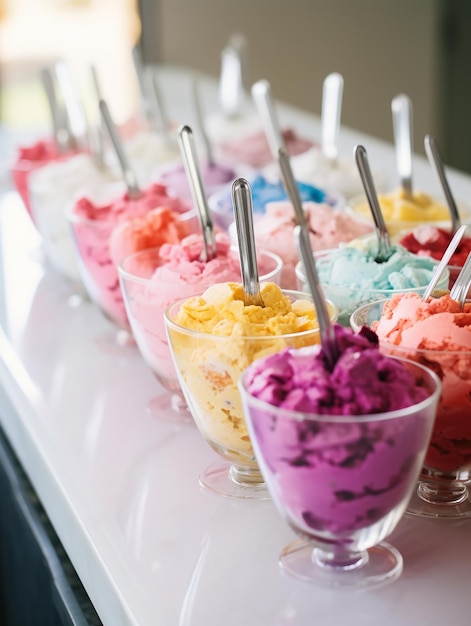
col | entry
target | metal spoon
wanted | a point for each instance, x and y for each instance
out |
(159, 114)
(401, 107)
(98, 144)
(437, 274)
(332, 93)
(261, 94)
(384, 243)
(129, 175)
(460, 289)
(190, 161)
(435, 159)
(200, 122)
(243, 215)
(326, 329)
(143, 84)
(231, 86)
(62, 137)
(73, 104)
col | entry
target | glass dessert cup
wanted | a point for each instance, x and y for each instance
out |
(100, 278)
(349, 298)
(146, 301)
(342, 482)
(442, 490)
(100, 274)
(76, 177)
(208, 368)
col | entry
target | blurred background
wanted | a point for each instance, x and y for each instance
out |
(418, 47)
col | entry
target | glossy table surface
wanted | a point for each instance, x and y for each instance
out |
(121, 485)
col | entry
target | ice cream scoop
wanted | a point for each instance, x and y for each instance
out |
(350, 275)
(264, 191)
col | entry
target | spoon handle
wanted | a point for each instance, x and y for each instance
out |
(231, 88)
(460, 289)
(303, 242)
(435, 159)
(128, 174)
(61, 133)
(401, 107)
(159, 115)
(243, 214)
(73, 104)
(437, 274)
(384, 243)
(261, 94)
(142, 82)
(190, 162)
(200, 121)
(332, 93)
(99, 147)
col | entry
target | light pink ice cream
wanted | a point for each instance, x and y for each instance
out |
(328, 228)
(254, 149)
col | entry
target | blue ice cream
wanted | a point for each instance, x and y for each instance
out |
(263, 192)
(351, 276)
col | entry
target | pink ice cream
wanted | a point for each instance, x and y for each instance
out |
(328, 227)
(105, 233)
(154, 279)
(254, 150)
(437, 333)
(30, 158)
(331, 476)
(214, 176)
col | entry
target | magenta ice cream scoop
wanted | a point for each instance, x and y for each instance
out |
(338, 475)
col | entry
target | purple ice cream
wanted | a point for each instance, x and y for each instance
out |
(214, 176)
(337, 475)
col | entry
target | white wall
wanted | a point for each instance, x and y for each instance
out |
(381, 47)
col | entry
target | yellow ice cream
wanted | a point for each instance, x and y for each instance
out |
(223, 338)
(403, 211)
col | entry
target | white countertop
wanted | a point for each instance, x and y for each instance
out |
(121, 486)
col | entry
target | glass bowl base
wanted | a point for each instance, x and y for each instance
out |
(170, 407)
(382, 565)
(217, 479)
(418, 507)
